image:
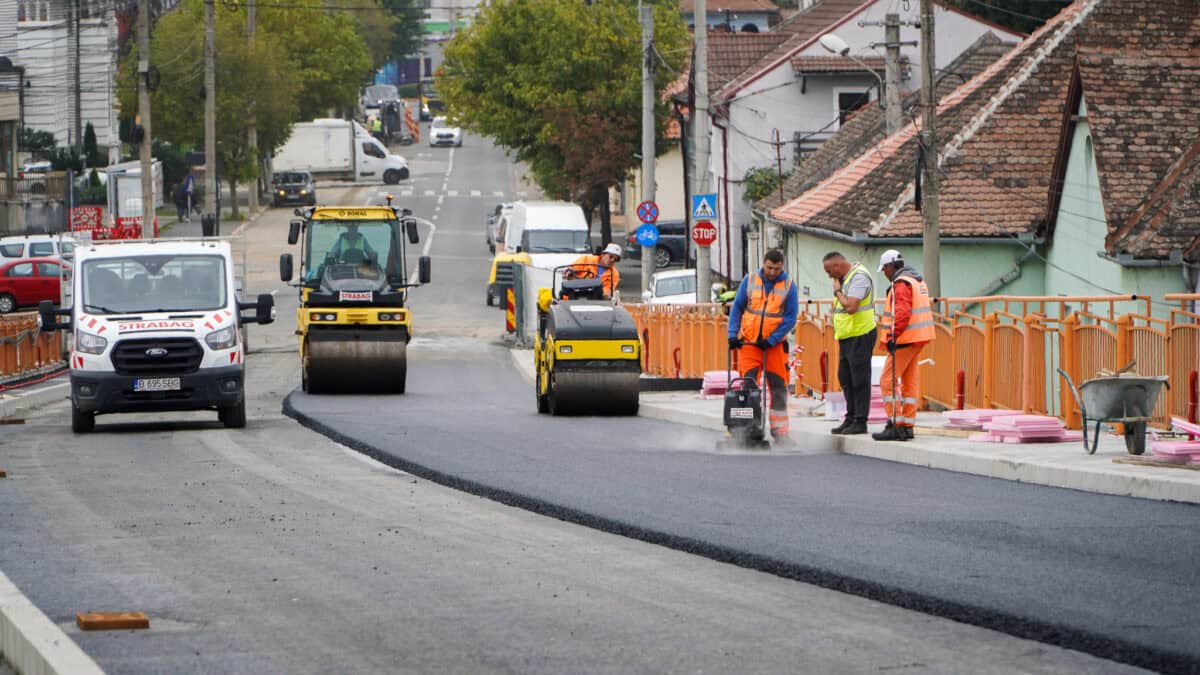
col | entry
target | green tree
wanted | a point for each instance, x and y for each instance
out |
(91, 149)
(323, 51)
(40, 144)
(1020, 15)
(406, 31)
(762, 181)
(559, 83)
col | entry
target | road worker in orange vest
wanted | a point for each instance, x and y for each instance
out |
(603, 267)
(905, 327)
(762, 317)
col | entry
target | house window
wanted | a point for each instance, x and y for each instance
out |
(849, 101)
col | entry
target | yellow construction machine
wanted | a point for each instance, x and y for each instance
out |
(587, 352)
(353, 325)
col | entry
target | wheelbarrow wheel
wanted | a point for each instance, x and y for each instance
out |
(1135, 437)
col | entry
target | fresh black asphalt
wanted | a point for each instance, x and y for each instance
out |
(1112, 576)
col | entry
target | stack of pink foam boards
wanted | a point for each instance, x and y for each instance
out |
(1179, 452)
(715, 382)
(974, 419)
(1026, 429)
(878, 413)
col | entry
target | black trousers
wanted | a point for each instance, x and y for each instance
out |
(854, 374)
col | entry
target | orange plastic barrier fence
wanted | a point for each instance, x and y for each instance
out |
(995, 352)
(24, 349)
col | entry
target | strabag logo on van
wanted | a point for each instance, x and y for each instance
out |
(355, 296)
(157, 325)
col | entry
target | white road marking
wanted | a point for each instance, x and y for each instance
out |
(430, 193)
(498, 193)
(406, 193)
(441, 198)
(476, 193)
(452, 193)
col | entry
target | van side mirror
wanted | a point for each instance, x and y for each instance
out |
(424, 269)
(518, 249)
(264, 311)
(294, 231)
(285, 267)
(410, 226)
(48, 317)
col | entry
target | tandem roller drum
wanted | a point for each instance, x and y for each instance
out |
(356, 364)
(594, 392)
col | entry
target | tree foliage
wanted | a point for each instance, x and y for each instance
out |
(406, 29)
(762, 181)
(1020, 15)
(559, 83)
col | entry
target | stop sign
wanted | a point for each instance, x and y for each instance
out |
(704, 233)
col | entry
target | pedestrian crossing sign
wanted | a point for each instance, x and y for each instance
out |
(704, 207)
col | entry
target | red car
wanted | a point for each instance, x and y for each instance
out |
(26, 282)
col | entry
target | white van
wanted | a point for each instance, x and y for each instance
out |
(157, 326)
(37, 246)
(550, 233)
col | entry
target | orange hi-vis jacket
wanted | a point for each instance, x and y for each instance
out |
(919, 311)
(764, 310)
(586, 267)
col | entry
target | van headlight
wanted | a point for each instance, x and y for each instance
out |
(222, 339)
(89, 344)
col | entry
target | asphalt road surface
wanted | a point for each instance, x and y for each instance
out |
(275, 550)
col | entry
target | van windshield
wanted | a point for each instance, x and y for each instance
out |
(153, 283)
(556, 241)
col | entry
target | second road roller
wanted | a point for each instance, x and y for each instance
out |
(587, 352)
(353, 324)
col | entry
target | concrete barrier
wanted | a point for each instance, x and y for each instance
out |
(32, 643)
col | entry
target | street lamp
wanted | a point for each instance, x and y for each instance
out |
(836, 45)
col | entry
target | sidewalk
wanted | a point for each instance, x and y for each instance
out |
(1054, 464)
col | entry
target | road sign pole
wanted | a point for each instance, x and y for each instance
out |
(648, 187)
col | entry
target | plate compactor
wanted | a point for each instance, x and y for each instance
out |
(745, 412)
(352, 322)
(587, 352)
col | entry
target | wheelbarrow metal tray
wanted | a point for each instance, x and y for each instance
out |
(1121, 398)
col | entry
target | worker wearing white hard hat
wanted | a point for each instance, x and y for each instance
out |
(602, 266)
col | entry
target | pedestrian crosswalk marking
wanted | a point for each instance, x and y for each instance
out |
(498, 193)
(429, 193)
(406, 193)
(476, 193)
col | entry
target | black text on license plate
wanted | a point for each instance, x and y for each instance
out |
(157, 384)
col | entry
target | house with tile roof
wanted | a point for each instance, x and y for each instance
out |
(805, 94)
(1030, 203)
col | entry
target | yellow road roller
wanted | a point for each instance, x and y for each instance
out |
(352, 322)
(587, 352)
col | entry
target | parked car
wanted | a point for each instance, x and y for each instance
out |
(441, 132)
(294, 187)
(493, 223)
(26, 282)
(36, 246)
(672, 238)
(671, 288)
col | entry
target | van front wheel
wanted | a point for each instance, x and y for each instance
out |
(391, 176)
(234, 416)
(82, 422)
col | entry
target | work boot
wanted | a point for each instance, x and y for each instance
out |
(855, 428)
(890, 433)
(907, 432)
(841, 428)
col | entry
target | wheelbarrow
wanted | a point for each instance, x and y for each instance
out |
(1127, 399)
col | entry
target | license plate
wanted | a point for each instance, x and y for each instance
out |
(741, 413)
(157, 384)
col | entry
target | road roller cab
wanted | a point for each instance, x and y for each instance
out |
(587, 352)
(352, 322)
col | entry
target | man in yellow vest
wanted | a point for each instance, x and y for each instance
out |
(762, 317)
(905, 328)
(854, 329)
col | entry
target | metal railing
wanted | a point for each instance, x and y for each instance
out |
(25, 350)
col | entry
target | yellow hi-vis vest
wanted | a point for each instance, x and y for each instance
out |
(846, 325)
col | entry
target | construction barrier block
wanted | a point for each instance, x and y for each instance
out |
(112, 620)
(3, 473)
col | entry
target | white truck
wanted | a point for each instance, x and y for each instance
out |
(341, 150)
(124, 183)
(156, 326)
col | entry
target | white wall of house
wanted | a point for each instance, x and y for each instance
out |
(738, 20)
(669, 191)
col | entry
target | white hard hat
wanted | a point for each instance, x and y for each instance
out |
(889, 256)
(612, 249)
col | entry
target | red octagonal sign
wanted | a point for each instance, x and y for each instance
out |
(704, 233)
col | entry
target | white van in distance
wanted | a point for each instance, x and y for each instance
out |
(156, 327)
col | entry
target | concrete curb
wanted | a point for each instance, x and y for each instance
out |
(32, 643)
(1155, 483)
(21, 402)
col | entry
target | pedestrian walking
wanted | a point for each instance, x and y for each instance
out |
(181, 202)
(761, 319)
(854, 329)
(905, 328)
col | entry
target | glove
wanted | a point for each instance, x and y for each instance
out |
(734, 342)
(762, 344)
(891, 346)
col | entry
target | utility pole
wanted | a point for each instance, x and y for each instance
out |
(210, 119)
(78, 93)
(648, 181)
(251, 119)
(891, 37)
(700, 139)
(930, 207)
(144, 117)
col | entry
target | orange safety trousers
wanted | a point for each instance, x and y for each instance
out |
(902, 364)
(750, 360)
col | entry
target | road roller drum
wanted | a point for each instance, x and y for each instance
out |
(360, 362)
